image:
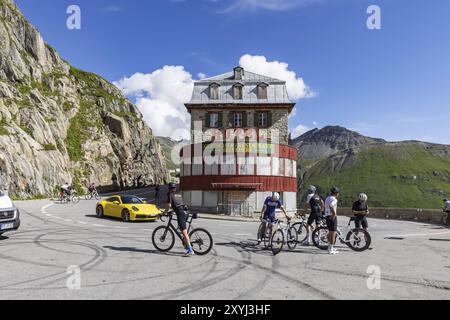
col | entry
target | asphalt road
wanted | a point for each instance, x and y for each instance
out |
(117, 261)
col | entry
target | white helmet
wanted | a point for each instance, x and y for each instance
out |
(363, 197)
(275, 196)
(312, 189)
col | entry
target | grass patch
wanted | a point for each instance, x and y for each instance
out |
(3, 130)
(392, 175)
(49, 147)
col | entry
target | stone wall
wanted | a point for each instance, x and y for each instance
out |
(420, 215)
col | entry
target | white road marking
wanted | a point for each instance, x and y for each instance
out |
(45, 207)
(98, 225)
(418, 234)
(151, 230)
(48, 215)
(115, 227)
(82, 222)
(67, 220)
(242, 234)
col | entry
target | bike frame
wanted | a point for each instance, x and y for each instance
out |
(178, 233)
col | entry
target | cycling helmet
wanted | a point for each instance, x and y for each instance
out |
(335, 190)
(275, 196)
(172, 186)
(445, 200)
(312, 189)
(363, 197)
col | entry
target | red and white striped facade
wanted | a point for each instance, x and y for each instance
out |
(239, 179)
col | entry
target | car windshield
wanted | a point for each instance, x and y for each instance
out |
(131, 200)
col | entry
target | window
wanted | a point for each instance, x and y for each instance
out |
(214, 120)
(237, 120)
(246, 165)
(237, 92)
(262, 120)
(263, 166)
(238, 72)
(262, 91)
(214, 91)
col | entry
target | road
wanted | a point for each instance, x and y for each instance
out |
(117, 261)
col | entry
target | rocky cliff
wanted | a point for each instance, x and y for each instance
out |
(61, 124)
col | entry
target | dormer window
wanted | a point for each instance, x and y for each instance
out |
(214, 91)
(238, 73)
(262, 90)
(237, 91)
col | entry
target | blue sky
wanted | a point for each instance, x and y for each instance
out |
(391, 83)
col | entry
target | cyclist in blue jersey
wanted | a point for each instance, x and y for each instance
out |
(268, 214)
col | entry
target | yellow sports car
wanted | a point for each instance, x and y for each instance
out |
(128, 208)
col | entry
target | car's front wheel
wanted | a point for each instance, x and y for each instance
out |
(99, 211)
(125, 215)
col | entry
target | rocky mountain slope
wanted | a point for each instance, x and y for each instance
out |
(395, 174)
(61, 124)
(170, 146)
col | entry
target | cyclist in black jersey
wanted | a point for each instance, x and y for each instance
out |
(175, 202)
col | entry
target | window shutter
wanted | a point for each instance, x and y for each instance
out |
(255, 118)
(244, 119)
(220, 119)
(230, 119)
(269, 118)
(208, 120)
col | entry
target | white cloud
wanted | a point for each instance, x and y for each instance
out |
(299, 130)
(201, 76)
(271, 5)
(160, 96)
(297, 89)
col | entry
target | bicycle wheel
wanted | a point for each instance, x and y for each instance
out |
(302, 233)
(320, 238)
(201, 241)
(277, 241)
(163, 239)
(292, 239)
(97, 196)
(358, 240)
(87, 197)
(265, 237)
(75, 199)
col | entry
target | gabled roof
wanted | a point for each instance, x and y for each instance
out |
(276, 90)
(247, 77)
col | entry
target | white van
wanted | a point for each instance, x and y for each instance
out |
(9, 214)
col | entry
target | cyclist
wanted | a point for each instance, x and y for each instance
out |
(92, 188)
(331, 204)
(447, 210)
(175, 202)
(64, 191)
(361, 210)
(268, 214)
(316, 205)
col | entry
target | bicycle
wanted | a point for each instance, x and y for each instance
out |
(301, 228)
(92, 195)
(284, 235)
(72, 198)
(163, 238)
(356, 239)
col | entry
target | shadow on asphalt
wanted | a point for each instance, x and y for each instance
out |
(93, 216)
(252, 246)
(130, 249)
(3, 238)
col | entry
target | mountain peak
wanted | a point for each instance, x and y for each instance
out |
(329, 140)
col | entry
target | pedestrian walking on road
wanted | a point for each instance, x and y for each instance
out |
(447, 210)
